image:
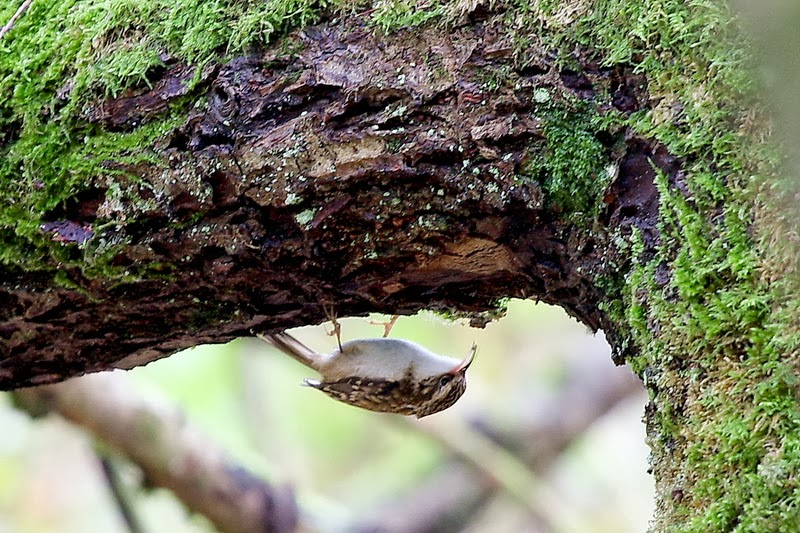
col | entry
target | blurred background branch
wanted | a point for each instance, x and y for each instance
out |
(170, 452)
(486, 459)
(119, 491)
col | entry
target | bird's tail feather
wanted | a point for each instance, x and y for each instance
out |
(293, 347)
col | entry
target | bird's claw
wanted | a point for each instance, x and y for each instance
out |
(387, 326)
(337, 328)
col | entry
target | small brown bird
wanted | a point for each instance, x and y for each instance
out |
(384, 375)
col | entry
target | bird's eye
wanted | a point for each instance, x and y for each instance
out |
(444, 380)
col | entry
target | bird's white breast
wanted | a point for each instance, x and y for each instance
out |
(386, 359)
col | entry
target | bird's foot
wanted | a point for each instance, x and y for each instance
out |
(387, 326)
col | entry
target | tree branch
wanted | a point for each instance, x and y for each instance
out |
(372, 173)
(118, 492)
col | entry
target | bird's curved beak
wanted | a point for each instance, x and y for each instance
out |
(464, 365)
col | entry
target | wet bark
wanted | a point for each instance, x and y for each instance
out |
(341, 169)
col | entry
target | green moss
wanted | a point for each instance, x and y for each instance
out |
(571, 165)
(714, 325)
(45, 168)
(716, 311)
(59, 57)
(498, 310)
(718, 328)
(392, 15)
(494, 78)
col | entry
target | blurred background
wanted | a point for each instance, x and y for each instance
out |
(548, 437)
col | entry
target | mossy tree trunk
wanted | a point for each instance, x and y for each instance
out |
(177, 177)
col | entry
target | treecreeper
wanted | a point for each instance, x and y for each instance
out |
(383, 375)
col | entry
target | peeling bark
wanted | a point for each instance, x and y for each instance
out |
(359, 171)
